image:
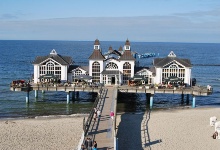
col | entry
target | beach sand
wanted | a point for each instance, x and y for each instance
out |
(173, 129)
(42, 133)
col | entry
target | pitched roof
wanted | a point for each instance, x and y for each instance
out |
(127, 55)
(120, 48)
(96, 42)
(113, 52)
(97, 55)
(71, 67)
(127, 42)
(63, 60)
(137, 69)
(160, 62)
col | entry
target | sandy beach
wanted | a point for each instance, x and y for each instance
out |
(41, 133)
(173, 129)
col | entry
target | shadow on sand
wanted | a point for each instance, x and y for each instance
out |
(133, 132)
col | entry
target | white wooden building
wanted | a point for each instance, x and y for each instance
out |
(115, 67)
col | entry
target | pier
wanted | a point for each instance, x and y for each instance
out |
(103, 129)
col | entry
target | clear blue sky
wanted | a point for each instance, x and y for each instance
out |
(112, 20)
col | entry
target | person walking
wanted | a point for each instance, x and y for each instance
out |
(86, 143)
(112, 114)
(90, 144)
(94, 145)
(98, 113)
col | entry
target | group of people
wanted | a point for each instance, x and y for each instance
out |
(89, 145)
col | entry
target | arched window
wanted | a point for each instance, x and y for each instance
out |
(50, 67)
(111, 65)
(96, 72)
(173, 70)
(77, 72)
(126, 72)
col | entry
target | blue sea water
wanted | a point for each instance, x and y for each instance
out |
(15, 63)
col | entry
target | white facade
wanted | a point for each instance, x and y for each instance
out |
(53, 64)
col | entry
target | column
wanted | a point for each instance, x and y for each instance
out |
(27, 97)
(36, 93)
(68, 98)
(194, 102)
(151, 101)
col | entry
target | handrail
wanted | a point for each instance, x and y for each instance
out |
(87, 123)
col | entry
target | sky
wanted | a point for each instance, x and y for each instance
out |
(195, 21)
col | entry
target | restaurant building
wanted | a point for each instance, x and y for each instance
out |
(116, 67)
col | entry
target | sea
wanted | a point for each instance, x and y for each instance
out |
(16, 63)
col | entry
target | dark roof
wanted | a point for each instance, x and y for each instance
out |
(97, 55)
(153, 70)
(63, 60)
(111, 58)
(120, 48)
(113, 52)
(86, 68)
(127, 42)
(71, 67)
(111, 72)
(137, 69)
(110, 48)
(96, 42)
(160, 62)
(127, 56)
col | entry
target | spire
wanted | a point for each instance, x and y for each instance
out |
(127, 45)
(96, 45)
(110, 49)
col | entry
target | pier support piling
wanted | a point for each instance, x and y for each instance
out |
(68, 98)
(151, 101)
(27, 97)
(187, 99)
(73, 95)
(36, 93)
(194, 102)
(77, 95)
(148, 98)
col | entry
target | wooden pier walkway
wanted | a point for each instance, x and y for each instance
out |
(102, 130)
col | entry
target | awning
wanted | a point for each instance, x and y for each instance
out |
(138, 78)
(173, 79)
(83, 77)
(48, 76)
(111, 72)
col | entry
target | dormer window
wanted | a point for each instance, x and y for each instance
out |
(53, 52)
(96, 47)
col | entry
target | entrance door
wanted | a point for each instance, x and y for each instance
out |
(113, 80)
